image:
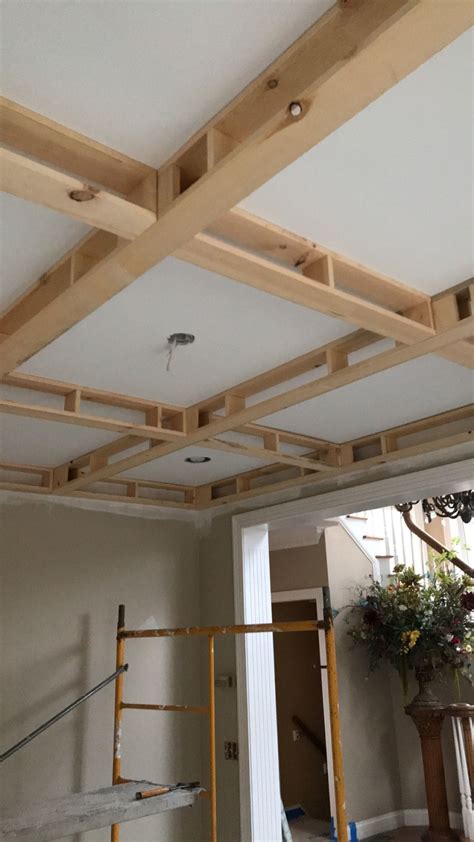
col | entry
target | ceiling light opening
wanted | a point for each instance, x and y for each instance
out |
(197, 460)
(181, 339)
(176, 340)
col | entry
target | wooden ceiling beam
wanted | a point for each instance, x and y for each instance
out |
(231, 493)
(342, 377)
(350, 57)
(260, 273)
(258, 481)
(360, 453)
(314, 291)
(48, 141)
(169, 415)
(351, 342)
(267, 454)
(34, 182)
(413, 317)
(169, 427)
(132, 494)
(421, 425)
(293, 251)
(61, 388)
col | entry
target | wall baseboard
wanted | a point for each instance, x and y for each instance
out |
(400, 818)
(380, 824)
(414, 818)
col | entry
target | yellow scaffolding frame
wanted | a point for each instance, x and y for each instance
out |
(210, 709)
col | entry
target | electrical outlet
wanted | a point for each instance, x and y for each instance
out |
(296, 735)
(231, 750)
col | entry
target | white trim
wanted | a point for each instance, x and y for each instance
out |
(419, 818)
(289, 538)
(457, 472)
(380, 824)
(362, 548)
(371, 495)
(295, 596)
(400, 818)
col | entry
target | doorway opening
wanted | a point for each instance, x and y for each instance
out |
(255, 533)
(302, 748)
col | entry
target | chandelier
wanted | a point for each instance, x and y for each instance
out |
(460, 504)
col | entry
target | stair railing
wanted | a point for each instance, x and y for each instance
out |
(63, 712)
(310, 735)
(435, 545)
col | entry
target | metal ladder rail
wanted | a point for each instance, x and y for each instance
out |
(63, 712)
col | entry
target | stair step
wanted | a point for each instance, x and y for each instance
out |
(384, 556)
(373, 538)
(357, 517)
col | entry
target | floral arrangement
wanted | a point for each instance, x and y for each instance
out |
(421, 623)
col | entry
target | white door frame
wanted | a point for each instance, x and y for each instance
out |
(256, 706)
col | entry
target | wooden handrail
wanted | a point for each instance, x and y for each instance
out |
(436, 545)
(310, 735)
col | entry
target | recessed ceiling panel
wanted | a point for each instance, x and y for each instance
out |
(239, 332)
(32, 238)
(392, 188)
(414, 390)
(142, 77)
(37, 442)
(174, 468)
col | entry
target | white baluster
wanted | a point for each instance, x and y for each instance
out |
(463, 777)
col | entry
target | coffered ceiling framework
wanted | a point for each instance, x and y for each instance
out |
(279, 391)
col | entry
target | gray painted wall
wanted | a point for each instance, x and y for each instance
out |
(64, 571)
(299, 567)
(370, 748)
(58, 639)
(217, 608)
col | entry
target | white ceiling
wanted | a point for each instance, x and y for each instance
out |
(174, 468)
(393, 187)
(239, 333)
(390, 189)
(36, 442)
(143, 76)
(32, 238)
(420, 388)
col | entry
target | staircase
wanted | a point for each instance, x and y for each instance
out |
(384, 539)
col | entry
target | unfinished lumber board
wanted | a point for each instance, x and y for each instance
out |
(59, 817)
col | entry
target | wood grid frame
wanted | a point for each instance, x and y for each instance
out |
(141, 215)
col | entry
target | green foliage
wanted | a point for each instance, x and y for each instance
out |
(417, 622)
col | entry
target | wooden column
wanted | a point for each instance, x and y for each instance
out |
(336, 737)
(428, 719)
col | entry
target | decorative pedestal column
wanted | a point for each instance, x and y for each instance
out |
(428, 716)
